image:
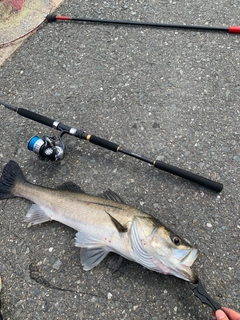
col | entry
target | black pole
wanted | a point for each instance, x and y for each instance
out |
(231, 29)
(215, 186)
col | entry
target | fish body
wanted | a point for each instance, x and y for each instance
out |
(104, 224)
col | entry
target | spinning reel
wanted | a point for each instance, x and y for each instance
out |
(48, 148)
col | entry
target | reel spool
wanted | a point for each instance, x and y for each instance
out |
(48, 148)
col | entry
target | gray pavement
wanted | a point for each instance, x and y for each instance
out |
(162, 93)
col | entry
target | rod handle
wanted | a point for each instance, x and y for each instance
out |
(35, 117)
(213, 185)
(234, 29)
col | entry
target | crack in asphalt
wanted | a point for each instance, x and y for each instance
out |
(35, 275)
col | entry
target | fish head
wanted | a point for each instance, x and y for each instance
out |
(164, 251)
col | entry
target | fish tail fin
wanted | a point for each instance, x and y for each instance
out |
(11, 174)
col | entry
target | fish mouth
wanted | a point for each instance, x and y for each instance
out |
(187, 262)
(178, 267)
(190, 257)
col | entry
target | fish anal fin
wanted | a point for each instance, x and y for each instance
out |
(70, 186)
(90, 258)
(120, 228)
(36, 215)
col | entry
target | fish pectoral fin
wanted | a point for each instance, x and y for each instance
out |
(90, 258)
(120, 228)
(36, 215)
(139, 254)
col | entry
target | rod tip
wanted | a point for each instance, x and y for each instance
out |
(8, 106)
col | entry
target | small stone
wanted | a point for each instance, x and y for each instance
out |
(227, 93)
(209, 225)
(52, 260)
(93, 299)
(57, 264)
(156, 125)
(201, 165)
(109, 296)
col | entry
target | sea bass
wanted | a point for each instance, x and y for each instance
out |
(104, 224)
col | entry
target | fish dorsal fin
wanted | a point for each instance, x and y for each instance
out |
(70, 186)
(111, 195)
(117, 224)
(138, 251)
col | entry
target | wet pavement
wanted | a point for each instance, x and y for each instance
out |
(163, 93)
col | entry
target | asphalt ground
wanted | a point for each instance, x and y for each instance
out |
(167, 94)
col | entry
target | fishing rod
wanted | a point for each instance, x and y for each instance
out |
(231, 29)
(50, 148)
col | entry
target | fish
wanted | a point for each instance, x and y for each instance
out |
(104, 224)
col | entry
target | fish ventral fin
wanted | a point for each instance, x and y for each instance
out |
(111, 195)
(11, 174)
(90, 258)
(70, 186)
(36, 215)
(92, 251)
(120, 228)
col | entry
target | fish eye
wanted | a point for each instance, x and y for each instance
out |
(176, 241)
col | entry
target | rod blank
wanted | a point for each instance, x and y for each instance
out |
(231, 29)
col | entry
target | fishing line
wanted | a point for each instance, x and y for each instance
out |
(230, 29)
(50, 148)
